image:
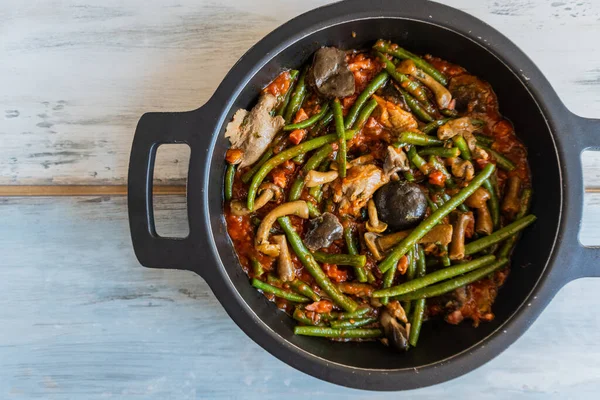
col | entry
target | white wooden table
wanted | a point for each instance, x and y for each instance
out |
(80, 319)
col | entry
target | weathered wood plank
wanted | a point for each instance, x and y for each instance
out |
(71, 119)
(82, 319)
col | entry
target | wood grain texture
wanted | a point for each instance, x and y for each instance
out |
(81, 319)
(76, 75)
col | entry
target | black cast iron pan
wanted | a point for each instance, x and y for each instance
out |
(548, 256)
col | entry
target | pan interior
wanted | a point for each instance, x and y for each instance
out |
(438, 339)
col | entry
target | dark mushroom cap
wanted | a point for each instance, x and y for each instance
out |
(324, 230)
(394, 331)
(400, 204)
(329, 73)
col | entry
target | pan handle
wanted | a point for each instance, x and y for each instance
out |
(588, 139)
(154, 129)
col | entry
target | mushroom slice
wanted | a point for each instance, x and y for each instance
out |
(316, 178)
(325, 229)
(329, 73)
(443, 97)
(395, 333)
(374, 224)
(261, 240)
(395, 160)
(457, 247)
(456, 127)
(371, 242)
(285, 267)
(461, 168)
(441, 234)
(510, 204)
(395, 308)
(478, 200)
(267, 190)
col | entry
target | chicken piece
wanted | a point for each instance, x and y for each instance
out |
(354, 191)
(393, 117)
(395, 160)
(253, 131)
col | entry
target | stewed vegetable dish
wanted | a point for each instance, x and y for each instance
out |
(373, 190)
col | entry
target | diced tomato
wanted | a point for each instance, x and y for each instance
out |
(301, 115)
(437, 178)
(332, 271)
(403, 265)
(280, 85)
(347, 102)
(503, 128)
(233, 156)
(297, 136)
(322, 306)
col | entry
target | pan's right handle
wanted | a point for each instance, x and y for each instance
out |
(589, 139)
(154, 129)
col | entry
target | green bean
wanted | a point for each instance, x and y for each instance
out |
(449, 286)
(313, 211)
(440, 152)
(300, 316)
(360, 271)
(418, 139)
(405, 82)
(435, 277)
(377, 82)
(359, 313)
(485, 140)
(313, 162)
(444, 255)
(410, 274)
(327, 118)
(449, 113)
(462, 145)
(297, 286)
(433, 205)
(493, 202)
(419, 305)
(339, 129)
(286, 99)
(437, 164)
(337, 333)
(425, 226)
(432, 126)
(416, 107)
(314, 268)
(399, 52)
(408, 175)
(352, 323)
(304, 289)
(307, 123)
(502, 161)
(283, 157)
(419, 162)
(265, 287)
(229, 177)
(509, 244)
(341, 259)
(317, 193)
(388, 279)
(257, 267)
(297, 97)
(499, 235)
(364, 114)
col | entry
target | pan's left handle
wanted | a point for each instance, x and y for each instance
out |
(588, 139)
(154, 129)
